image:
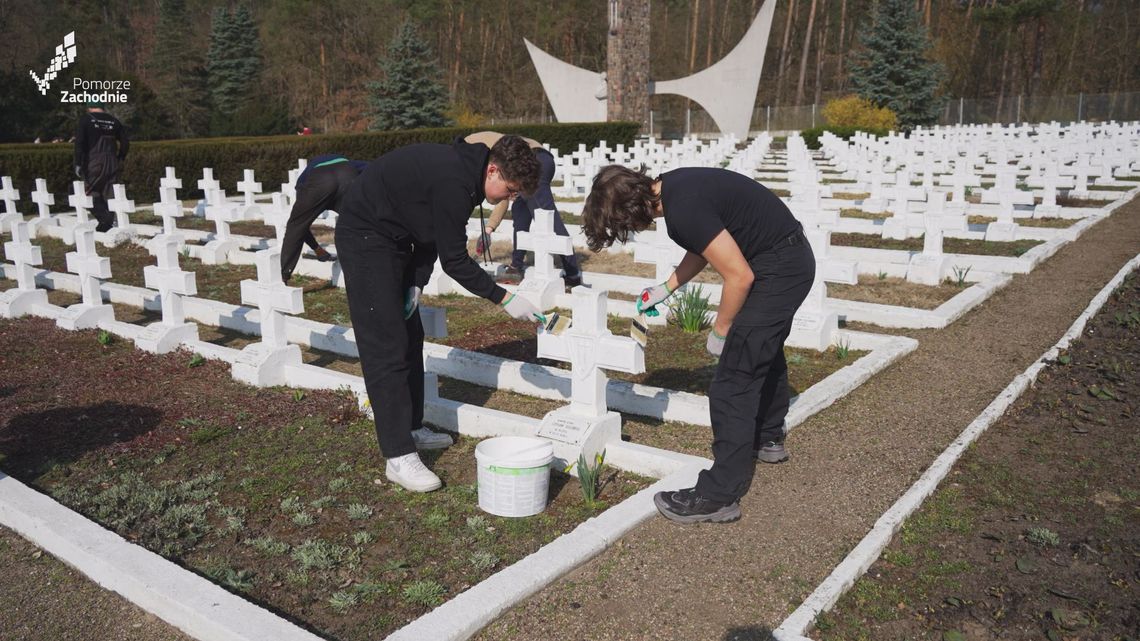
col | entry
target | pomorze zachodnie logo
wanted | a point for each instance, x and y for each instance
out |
(113, 90)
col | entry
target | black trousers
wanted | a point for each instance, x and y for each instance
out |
(101, 172)
(377, 273)
(322, 190)
(749, 394)
(522, 213)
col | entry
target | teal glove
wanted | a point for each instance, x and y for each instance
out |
(411, 301)
(651, 297)
(521, 309)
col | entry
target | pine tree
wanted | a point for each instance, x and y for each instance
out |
(893, 69)
(410, 95)
(176, 71)
(233, 61)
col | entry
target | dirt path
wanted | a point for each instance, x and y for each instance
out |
(45, 600)
(850, 462)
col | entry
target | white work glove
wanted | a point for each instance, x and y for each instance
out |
(651, 297)
(520, 308)
(411, 301)
(715, 344)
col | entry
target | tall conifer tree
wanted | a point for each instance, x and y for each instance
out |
(893, 69)
(410, 94)
(178, 78)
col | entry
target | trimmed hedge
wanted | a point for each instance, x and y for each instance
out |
(811, 136)
(271, 156)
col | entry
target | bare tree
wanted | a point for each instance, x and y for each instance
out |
(806, 51)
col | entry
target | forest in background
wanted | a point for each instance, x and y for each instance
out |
(318, 57)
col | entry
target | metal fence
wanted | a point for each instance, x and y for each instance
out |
(676, 118)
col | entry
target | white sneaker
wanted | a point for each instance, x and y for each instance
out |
(428, 440)
(411, 473)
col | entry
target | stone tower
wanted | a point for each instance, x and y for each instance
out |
(627, 55)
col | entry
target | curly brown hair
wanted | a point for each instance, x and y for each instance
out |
(621, 202)
(517, 162)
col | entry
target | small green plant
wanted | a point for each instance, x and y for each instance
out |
(298, 395)
(233, 517)
(843, 349)
(362, 538)
(322, 503)
(343, 468)
(268, 546)
(483, 561)
(208, 433)
(105, 338)
(291, 504)
(304, 519)
(589, 477)
(1042, 537)
(319, 554)
(342, 601)
(476, 523)
(196, 360)
(882, 275)
(796, 359)
(437, 518)
(960, 274)
(219, 572)
(690, 309)
(338, 484)
(165, 453)
(425, 593)
(340, 319)
(359, 511)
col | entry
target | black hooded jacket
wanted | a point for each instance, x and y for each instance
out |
(423, 195)
(101, 144)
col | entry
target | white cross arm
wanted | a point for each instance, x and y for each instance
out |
(277, 297)
(170, 280)
(611, 352)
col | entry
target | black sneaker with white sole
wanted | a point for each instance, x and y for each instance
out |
(772, 452)
(686, 506)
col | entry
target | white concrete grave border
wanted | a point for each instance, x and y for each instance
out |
(859, 560)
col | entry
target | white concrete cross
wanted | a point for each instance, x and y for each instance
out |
(272, 297)
(169, 279)
(249, 189)
(80, 201)
(589, 346)
(43, 200)
(207, 183)
(222, 213)
(25, 255)
(121, 206)
(170, 209)
(9, 194)
(170, 181)
(543, 281)
(88, 265)
(277, 215)
(660, 250)
(1048, 206)
(814, 326)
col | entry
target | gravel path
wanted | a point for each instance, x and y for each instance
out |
(849, 464)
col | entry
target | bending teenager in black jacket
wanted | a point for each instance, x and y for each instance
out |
(100, 148)
(321, 186)
(405, 209)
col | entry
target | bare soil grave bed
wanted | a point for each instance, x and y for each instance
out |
(1033, 535)
(949, 245)
(275, 494)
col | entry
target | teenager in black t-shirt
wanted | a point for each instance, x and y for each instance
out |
(749, 236)
(403, 210)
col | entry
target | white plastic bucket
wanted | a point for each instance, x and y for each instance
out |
(514, 474)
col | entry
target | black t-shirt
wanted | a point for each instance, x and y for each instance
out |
(699, 202)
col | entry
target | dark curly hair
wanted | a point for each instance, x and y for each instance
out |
(621, 202)
(517, 162)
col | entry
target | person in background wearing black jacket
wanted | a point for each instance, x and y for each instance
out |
(751, 239)
(405, 209)
(101, 146)
(321, 186)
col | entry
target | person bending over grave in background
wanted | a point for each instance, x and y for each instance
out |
(407, 207)
(101, 146)
(752, 240)
(522, 212)
(321, 186)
